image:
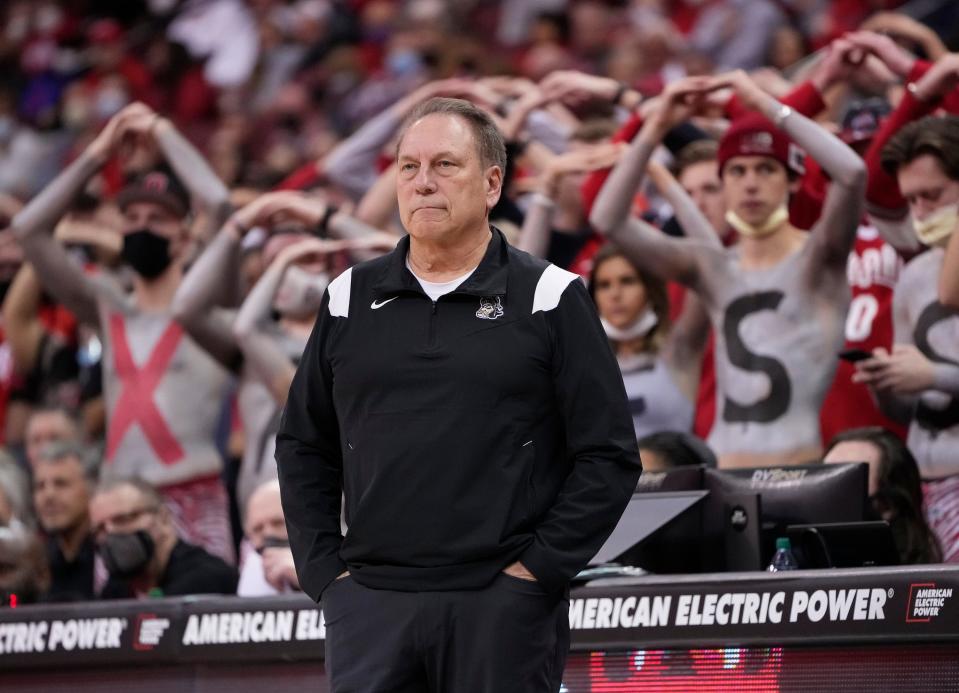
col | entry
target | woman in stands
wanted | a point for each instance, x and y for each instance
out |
(894, 488)
(660, 362)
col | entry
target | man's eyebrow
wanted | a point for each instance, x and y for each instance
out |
(438, 155)
(926, 190)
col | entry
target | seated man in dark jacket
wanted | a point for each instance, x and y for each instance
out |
(135, 536)
(62, 483)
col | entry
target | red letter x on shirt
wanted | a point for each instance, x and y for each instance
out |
(135, 404)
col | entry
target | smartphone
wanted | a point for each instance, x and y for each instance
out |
(854, 355)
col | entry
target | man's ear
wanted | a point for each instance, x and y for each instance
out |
(494, 185)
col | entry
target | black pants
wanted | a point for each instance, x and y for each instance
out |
(508, 636)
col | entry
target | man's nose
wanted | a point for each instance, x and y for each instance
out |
(921, 210)
(750, 180)
(424, 181)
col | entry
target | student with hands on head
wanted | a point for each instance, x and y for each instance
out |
(917, 383)
(778, 299)
(150, 367)
(263, 341)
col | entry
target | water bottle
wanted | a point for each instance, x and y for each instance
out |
(783, 559)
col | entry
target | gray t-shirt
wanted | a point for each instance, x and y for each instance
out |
(934, 329)
(656, 401)
(164, 394)
(777, 335)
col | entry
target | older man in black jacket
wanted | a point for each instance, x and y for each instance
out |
(464, 397)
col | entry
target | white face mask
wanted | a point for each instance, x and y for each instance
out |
(641, 327)
(109, 101)
(775, 220)
(300, 293)
(936, 229)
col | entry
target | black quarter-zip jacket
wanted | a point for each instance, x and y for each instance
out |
(486, 427)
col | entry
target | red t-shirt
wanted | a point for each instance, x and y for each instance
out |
(873, 270)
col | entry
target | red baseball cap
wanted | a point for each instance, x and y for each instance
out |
(159, 186)
(754, 135)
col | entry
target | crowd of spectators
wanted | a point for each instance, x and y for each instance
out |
(181, 179)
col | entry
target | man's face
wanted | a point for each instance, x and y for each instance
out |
(701, 182)
(45, 428)
(264, 517)
(61, 494)
(159, 219)
(124, 510)
(755, 187)
(442, 187)
(926, 186)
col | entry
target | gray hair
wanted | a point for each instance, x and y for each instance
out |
(489, 140)
(58, 451)
(149, 493)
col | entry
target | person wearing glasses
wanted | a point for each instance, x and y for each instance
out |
(134, 535)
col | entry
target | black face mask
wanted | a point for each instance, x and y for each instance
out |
(146, 252)
(127, 555)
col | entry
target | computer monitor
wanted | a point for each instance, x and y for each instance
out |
(843, 545)
(746, 529)
(687, 478)
(645, 518)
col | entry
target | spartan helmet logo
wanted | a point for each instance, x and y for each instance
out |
(489, 310)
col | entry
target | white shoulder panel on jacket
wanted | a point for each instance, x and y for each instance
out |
(339, 290)
(552, 283)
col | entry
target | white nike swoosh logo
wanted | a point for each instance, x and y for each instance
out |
(374, 305)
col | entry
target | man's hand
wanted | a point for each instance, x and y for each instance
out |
(843, 57)
(681, 100)
(307, 208)
(508, 86)
(896, 58)
(572, 87)
(750, 94)
(307, 247)
(903, 26)
(941, 78)
(138, 123)
(278, 568)
(519, 110)
(518, 570)
(101, 229)
(105, 144)
(457, 88)
(905, 371)
(592, 158)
